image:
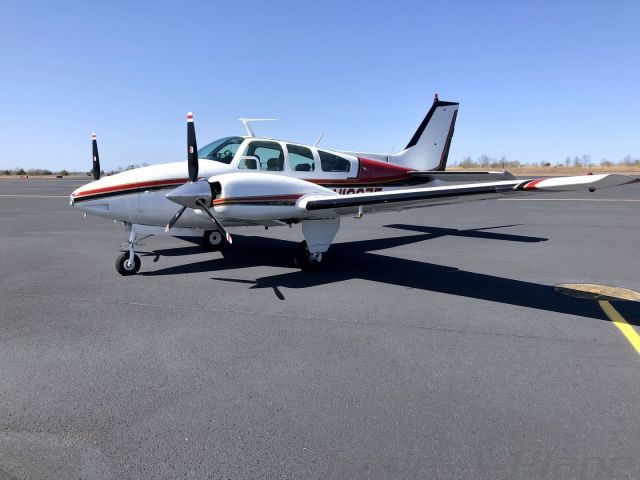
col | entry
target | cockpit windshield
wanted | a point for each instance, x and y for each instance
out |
(221, 150)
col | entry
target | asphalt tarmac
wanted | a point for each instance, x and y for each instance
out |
(430, 345)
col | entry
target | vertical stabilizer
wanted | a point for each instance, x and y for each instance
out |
(428, 149)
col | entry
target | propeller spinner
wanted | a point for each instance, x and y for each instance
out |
(195, 193)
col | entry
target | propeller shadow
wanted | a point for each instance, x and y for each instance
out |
(436, 232)
(354, 260)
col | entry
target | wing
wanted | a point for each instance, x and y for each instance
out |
(455, 176)
(428, 196)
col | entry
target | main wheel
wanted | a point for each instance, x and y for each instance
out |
(213, 240)
(306, 260)
(125, 267)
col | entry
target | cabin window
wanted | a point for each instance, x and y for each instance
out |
(221, 150)
(248, 163)
(333, 163)
(269, 155)
(300, 158)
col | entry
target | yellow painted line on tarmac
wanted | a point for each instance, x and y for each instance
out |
(571, 199)
(619, 321)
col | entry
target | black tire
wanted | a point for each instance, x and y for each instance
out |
(123, 267)
(303, 258)
(213, 241)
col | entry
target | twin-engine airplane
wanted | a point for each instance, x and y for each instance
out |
(245, 180)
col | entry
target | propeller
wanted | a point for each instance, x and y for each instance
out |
(174, 219)
(195, 193)
(192, 148)
(96, 158)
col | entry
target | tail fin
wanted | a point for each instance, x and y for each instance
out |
(428, 149)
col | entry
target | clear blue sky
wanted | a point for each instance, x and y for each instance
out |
(536, 81)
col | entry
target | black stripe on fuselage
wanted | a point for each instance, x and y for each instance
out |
(116, 193)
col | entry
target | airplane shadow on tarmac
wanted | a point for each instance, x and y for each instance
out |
(354, 260)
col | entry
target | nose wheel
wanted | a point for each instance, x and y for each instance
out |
(125, 266)
(213, 240)
(305, 260)
(128, 263)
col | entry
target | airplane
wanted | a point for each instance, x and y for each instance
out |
(248, 180)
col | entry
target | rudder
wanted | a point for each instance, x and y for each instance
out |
(429, 147)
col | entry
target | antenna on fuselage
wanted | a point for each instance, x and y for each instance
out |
(247, 127)
(318, 140)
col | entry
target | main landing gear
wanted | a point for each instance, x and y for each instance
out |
(318, 236)
(305, 260)
(213, 240)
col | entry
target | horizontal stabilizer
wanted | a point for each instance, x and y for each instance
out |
(578, 182)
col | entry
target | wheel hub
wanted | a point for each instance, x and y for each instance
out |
(215, 238)
(315, 257)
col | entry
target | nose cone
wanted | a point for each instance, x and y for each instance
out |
(81, 192)
(188, 194)
(87, 198)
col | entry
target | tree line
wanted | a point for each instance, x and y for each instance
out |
(485, 161)
(18, 171)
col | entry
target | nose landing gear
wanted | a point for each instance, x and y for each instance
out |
(124, 266)
(128, 263)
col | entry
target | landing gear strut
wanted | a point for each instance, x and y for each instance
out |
(128, 263)
(305, 260)
(213, 240)
(318, 236)
(124, 266)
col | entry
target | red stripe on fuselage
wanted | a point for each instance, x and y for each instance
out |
(131, 186)
(258, 199)
(372, 173)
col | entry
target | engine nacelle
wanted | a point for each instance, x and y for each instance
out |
(260, 196)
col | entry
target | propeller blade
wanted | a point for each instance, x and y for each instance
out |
(174, 219)
(223, 230)
(192, 149)
(96, 158)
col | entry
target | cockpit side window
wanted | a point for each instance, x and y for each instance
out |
(333, 163)
(269, 155)
(300, 158)
(221, 150)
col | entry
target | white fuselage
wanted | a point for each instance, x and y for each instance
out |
(138, 196)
